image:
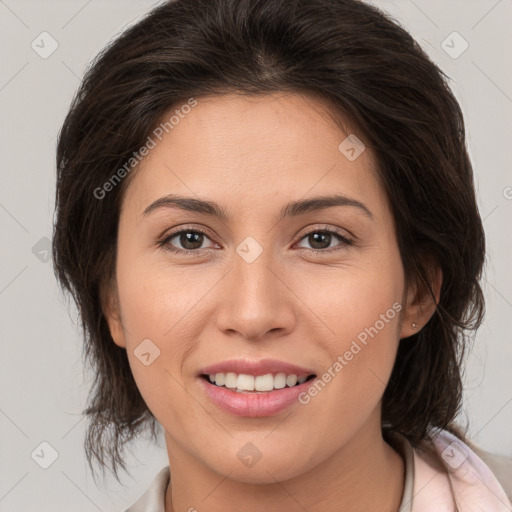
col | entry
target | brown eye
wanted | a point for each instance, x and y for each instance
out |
(320, 240)
(190, 240)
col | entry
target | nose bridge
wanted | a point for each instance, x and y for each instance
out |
(255, 302)
(253, 282)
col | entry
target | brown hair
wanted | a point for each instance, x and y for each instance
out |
(373, 73)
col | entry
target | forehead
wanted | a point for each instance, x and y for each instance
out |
(241, 150)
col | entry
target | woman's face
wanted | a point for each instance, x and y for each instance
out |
(264, 283)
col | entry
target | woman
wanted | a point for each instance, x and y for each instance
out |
(266, 215)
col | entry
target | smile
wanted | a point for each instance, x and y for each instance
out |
(255, 403)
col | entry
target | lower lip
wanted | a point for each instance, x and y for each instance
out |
(253, 405)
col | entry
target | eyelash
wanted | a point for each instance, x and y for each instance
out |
(164, 243)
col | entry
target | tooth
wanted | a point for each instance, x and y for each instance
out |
(291, 380)
(280, 380)
(245, 382)
(264, 382)
(230, 381)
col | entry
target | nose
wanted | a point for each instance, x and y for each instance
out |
(256, 299)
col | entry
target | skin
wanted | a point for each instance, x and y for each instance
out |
(252, 156)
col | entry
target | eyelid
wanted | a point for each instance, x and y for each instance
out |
(344, 233)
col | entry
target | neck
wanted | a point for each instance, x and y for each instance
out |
(364, 474)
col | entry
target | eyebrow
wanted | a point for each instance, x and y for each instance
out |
(292, 209)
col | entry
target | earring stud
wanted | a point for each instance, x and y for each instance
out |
(413, 325)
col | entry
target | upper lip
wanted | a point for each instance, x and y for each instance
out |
(259, 367)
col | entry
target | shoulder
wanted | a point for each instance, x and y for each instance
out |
(500, 465)
(470, 475)
(153, 500)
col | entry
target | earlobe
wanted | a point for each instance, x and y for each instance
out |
(420, 305)
(113, 316)
(116, 326)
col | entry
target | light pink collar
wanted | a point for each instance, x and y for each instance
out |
(449, 477)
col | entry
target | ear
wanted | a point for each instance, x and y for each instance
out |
(112, 312)
(419, 304)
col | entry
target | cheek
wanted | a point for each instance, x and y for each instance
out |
(157, 300)
(162, 317)
(361, 308)
(357, 296)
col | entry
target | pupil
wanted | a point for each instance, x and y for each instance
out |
(314, 240)
(191, 238)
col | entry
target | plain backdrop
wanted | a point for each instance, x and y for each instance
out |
(42, 382)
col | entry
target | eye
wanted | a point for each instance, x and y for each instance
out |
(190, 239)
(320, 240)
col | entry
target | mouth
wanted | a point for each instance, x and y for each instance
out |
(255, 388)
(268, 394)
(260, 384)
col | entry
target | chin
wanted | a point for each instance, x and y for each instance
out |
(252, 466)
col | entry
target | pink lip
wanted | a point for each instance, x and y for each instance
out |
(253, 405)
(261, 367)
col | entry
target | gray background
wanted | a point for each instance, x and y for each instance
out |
(42, 382)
